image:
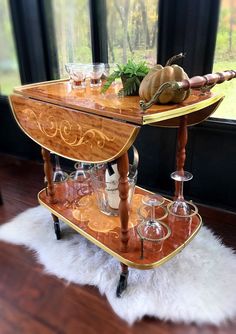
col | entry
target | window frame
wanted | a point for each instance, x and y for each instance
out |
(32, 25)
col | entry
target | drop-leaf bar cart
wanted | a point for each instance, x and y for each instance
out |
(86, 126)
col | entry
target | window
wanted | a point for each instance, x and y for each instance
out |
(9, 74)
(72, 29)
(225, 58)
(132, 30)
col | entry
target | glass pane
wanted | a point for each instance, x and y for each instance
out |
(225, 58)
(132, 30)
(9, 74)
(72, 28)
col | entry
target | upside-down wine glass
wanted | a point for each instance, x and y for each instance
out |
(60, 179)
(151, 228)
(179, 206)
(58, 175)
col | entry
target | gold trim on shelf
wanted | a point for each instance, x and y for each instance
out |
(127, 262)
(160, 125)
(173, 113)
(20, 89)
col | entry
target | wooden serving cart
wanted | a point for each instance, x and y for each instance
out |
(86, 126)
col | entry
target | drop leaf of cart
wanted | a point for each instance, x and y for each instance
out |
(84, 125)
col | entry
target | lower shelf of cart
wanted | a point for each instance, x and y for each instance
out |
(104, 231)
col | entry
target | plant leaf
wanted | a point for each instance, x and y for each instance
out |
(109, 81)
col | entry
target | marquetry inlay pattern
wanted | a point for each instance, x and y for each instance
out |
(72, 133)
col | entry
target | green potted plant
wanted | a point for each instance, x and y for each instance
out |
(131, 75)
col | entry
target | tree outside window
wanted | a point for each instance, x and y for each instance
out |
(9, 73)
(225, 58)
(132, 30)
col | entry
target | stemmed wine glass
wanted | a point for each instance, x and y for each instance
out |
(180, 206)
(60, 179)
(180, 210)
(81, 185)
(59, 175)
(151, 228)
(153, 200)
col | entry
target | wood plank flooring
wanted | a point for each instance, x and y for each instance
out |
(32, 302)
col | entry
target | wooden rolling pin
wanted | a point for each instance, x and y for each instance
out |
(207, 81)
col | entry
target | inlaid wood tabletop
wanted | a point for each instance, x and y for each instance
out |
(110, 105)
(73, 134)
(104, 231)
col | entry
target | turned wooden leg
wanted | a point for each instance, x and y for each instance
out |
(122, 285)
(48, 180)
(181, 151)
(1, 200)
(48, 171)
(56, 226)
(123, 168)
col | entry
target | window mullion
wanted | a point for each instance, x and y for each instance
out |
(98, 30)
(28, 17)
(189, 27)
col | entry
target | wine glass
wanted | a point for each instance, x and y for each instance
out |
(59, 175)
(80, 184)
(95, 71)
(151, 228)
(77, 73)
(60, 184)
(180, 207)
(153, 200)
(108, 70)
(181, 211)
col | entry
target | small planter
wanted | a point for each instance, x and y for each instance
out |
(134, 88)
(131, 75)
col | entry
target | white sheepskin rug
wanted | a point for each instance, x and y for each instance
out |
(198, 285)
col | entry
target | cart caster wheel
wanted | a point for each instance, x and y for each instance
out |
(122, 285)
(57, 230)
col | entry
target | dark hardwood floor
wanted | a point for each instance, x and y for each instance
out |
(32, 302)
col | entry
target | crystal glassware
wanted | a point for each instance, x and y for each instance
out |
(77, 73)
(108, 70)
(61, 188)
(96, 71)
(153, 200)
(180, 207)
(106, 188)
(58, 175)
(181, 211)
(61, 185)
(81, 187)
(152, 230)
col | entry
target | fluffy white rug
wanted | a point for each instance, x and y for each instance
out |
(198, 285)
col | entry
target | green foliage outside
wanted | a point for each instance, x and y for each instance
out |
(9, 74)
(225, 59)
(227, 108)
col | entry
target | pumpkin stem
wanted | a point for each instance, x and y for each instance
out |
(174, 58)
(171, 84)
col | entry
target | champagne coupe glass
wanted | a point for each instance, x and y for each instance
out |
(181, 207)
